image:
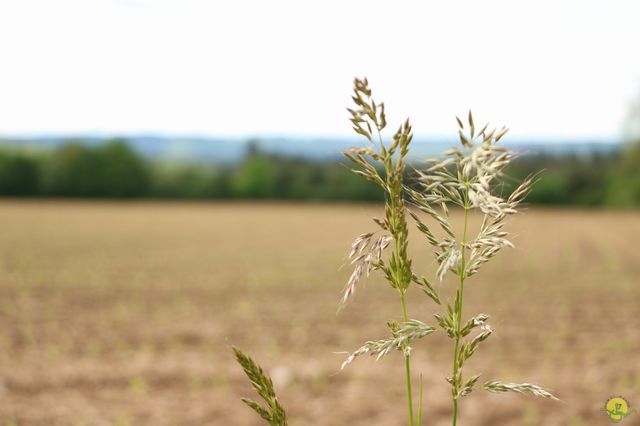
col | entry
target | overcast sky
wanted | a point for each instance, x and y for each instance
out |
(544, 68)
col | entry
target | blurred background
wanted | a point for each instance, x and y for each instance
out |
(172, 185)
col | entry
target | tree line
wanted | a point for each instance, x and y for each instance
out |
(114, 170)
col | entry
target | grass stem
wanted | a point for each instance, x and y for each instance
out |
(407, 362)
(420, 403)
(459, 297)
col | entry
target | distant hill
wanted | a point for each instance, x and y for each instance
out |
(230, 150)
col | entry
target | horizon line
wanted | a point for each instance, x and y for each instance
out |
(611, 139)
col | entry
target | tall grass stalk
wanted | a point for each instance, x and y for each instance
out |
(469, 177)
(383, 164)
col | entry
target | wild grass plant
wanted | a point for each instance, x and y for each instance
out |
(469, 177)
(273, 413)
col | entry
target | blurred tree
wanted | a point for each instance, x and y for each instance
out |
(120, 171)
(256, 176)
(71, 171)
(551, 188)
(569, 179)
(342, 184)
(185, 181)
(624, 178)
(19, 174)
(109, 170)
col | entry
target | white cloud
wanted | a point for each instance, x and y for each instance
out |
(546, 68)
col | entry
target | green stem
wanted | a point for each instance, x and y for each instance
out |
(455, 411)
(420, 403)
(407, 362)
(460, 295)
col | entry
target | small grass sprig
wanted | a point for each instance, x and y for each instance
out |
(402, 336)
(498, 387)
(273, 412)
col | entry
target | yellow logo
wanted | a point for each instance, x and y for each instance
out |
(617, 409)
